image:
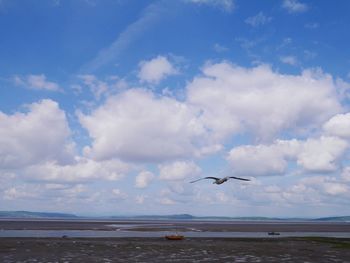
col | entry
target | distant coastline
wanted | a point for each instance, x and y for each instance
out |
(28, 214)
(48, 215)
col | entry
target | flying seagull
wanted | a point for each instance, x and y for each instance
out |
(220, 180)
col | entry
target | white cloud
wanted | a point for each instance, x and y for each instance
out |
(225, 101)
(336, 188)
(312, 155)
(143, 179)
(294, 6)
(14, 193)
(155, 70)
(97, 87)
(327, 185)
(257, 160)
(259, 101)
(177, 171)
(322, 155)
(118, 194)
(226, 5)
(81, 171)
(136, 125)
(41, 134)
(258, 20)
(36, 82)
(290, 60)
(310, 192)
(339, 125)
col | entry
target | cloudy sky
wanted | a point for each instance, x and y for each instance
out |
(113, 107)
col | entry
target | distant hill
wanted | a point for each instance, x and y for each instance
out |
(158, 217)
(223, 218)
(214, 218)
(26, 214)
(334, 219)
(174, 217)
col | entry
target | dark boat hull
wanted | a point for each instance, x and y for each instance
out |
(174, 237)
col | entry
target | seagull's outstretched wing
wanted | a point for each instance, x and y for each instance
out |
(238, 178)
(209, 177)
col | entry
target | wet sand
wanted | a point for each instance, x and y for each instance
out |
(154, 225)
(161, 250)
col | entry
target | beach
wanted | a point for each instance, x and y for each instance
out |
(48, 241)
(161, 250)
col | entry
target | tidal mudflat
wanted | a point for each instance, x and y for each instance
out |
(161, 250)
(153, 248)
(169, 225)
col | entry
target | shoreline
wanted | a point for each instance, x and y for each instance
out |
(158, 234)
(203, 226)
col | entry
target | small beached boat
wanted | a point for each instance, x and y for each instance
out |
(273, 233)
(174, 237)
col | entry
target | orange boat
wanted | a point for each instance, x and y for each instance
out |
(174, 237)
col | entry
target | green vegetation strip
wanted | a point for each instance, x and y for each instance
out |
(336, 242)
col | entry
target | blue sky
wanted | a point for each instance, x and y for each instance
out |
(113, 107)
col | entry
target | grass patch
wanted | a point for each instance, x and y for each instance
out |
(343, 243)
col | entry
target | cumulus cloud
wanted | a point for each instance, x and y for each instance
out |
(36, 82)
(41, 134)
(257, 100)
(294, 6)
(336, 188)
(289, 196)
(322, 155)
(313, 192)
(258, 20)
(136, 125)
(225, 101)
(257, 160)
(156, 69)
(81, 170)
(339, 125)
(312, 155)
(179, 170)
(329, 185)
(143, 179)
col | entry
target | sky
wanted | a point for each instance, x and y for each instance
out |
(113, 107)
